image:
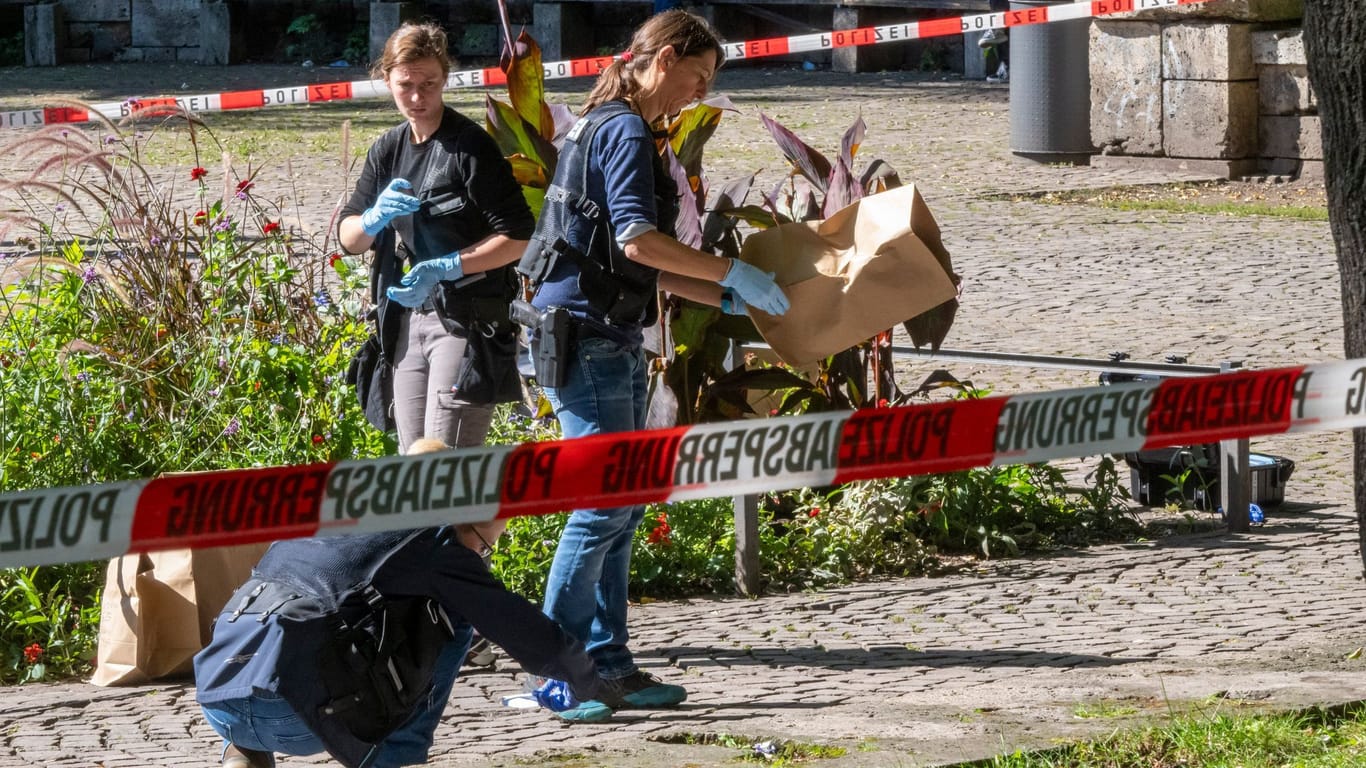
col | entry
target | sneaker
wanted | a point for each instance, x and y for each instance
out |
(237, 757)
(481, 653)
(555, 694)
(645, 691)
(586, 712)
(992, 37)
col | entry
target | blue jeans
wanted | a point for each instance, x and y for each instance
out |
(587, 588)
(267, 723)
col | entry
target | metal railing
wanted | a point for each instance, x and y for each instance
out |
(1235, 478)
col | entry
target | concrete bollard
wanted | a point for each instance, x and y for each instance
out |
(215, 33)
(384, 19)
(563, 30)
(44, 35)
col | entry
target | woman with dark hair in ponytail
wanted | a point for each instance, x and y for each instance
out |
(602, 250)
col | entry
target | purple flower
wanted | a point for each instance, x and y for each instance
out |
(277, 339)
(320, 298)
(233, 426)
(155, 241)
(60, 207)
(241, 195)
(89, 275)
(83, 376)
(214, 392)
(110, 139)
(223, 224)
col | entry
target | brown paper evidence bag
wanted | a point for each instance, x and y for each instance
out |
(158, 609)
(873, 264)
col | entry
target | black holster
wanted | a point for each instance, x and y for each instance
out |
(551, 339)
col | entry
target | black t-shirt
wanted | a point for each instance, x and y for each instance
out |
(467, 187)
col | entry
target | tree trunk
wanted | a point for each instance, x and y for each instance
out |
(1335, 43)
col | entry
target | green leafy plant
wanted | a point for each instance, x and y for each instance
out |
(308, 38)
(1190, 481)
(47, 617)
(862, 376)
(356, 52)
(12, 50)
(150, 325)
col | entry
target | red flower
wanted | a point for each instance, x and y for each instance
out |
(660, 534)
(882, 402)
(200, 216)
(197, 173)
(244, 185)
(772, 411)
(333, 258)
(318, 439)
(32, 653)
(270, 226)
(814, 512)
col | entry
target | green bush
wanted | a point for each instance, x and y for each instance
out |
(812, 538)
(139, 337)
(12, 50)
(48, 617)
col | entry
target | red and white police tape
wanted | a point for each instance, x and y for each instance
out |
(57, 525)
(473, 78)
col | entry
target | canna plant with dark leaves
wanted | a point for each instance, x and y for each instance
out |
(816, 188)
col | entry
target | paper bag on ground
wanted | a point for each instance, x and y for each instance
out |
(873, 264)
(158, 609)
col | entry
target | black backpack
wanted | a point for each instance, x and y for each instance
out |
(354, 667)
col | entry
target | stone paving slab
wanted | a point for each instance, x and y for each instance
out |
(913, 672)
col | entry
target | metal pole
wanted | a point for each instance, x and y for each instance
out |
(1235, 477)
(747, 569)
(1057, 362)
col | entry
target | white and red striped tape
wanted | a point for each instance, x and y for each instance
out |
(713, 460)
(474, 78)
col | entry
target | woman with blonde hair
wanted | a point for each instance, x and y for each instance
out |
(602, 249)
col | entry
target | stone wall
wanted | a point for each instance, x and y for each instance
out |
(239, 31)
(1219, 87)
(228, 31)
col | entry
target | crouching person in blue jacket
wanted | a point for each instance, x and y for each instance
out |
(351, 645)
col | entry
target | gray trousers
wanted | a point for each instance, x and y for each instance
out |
(428, 362)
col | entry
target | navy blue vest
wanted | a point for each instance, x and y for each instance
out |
(620, 290)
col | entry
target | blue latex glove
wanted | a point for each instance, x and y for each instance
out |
(555, 696)
(755, 287)
(391, 204)
(731, 303)
(422, 279)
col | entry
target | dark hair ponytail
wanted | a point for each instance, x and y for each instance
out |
(688, 33)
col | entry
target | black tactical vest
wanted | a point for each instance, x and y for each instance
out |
(621, 290)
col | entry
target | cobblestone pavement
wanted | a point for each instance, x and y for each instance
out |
(912, 672)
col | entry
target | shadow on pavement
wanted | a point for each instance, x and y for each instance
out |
(884, 657)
